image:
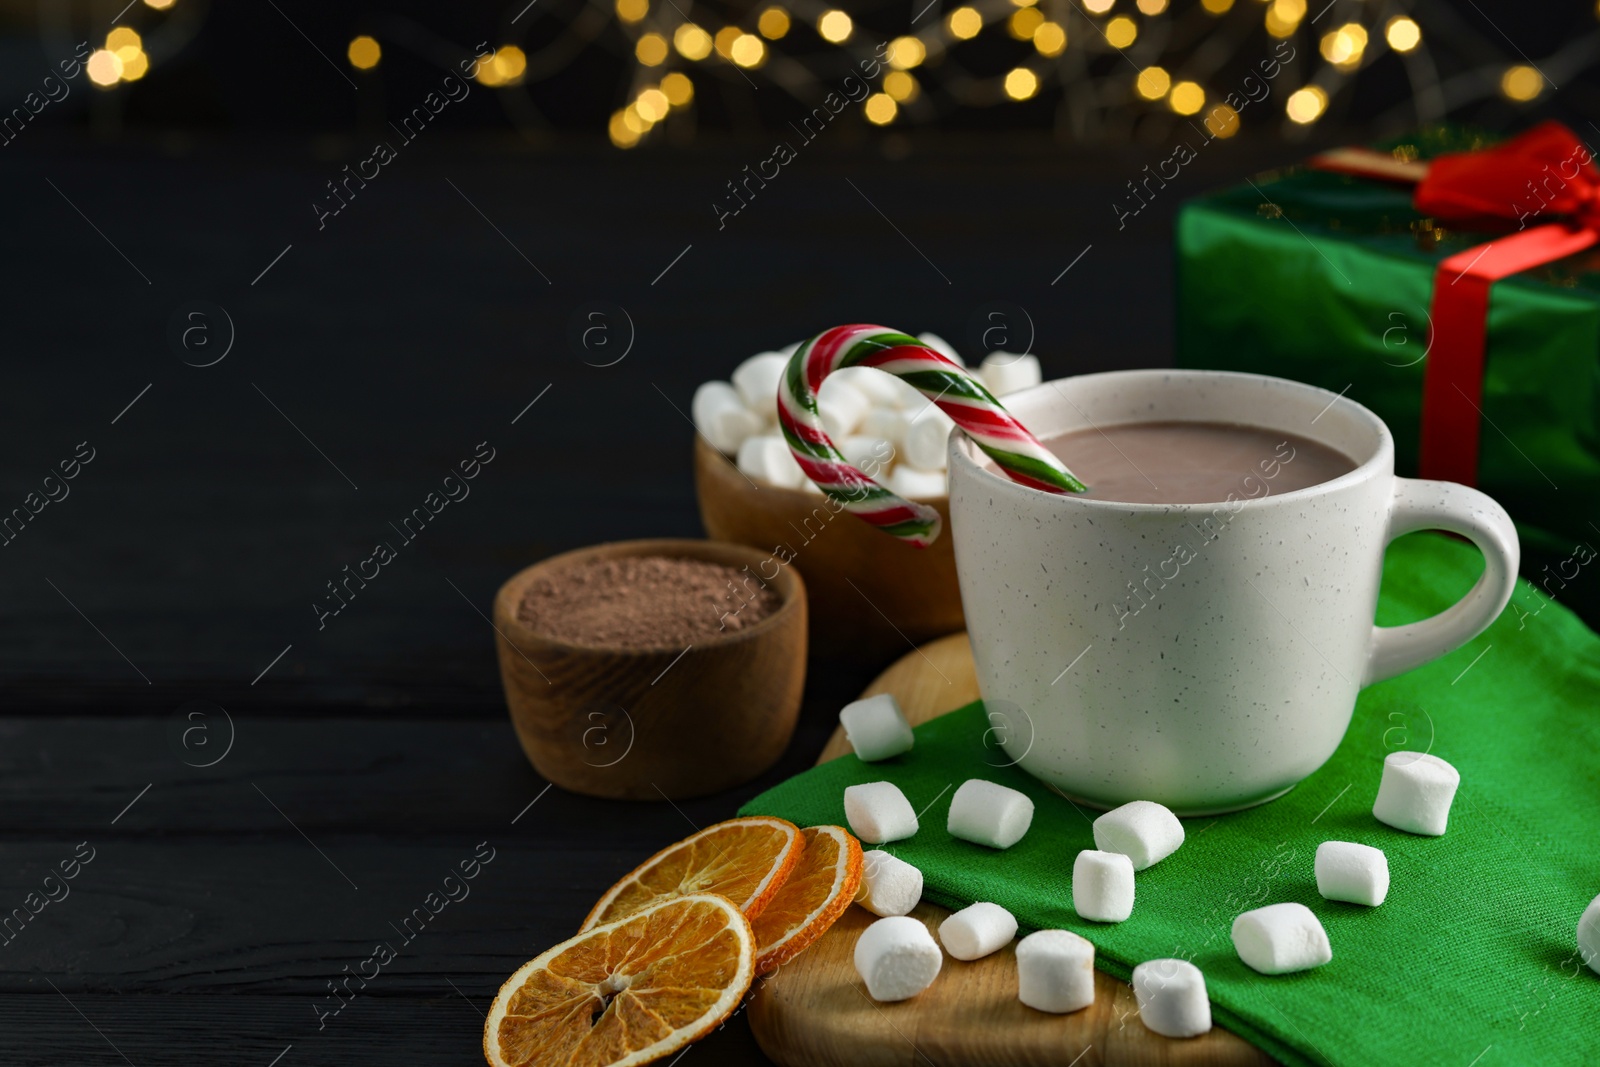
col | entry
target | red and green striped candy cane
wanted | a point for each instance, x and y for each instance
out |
(974, 409)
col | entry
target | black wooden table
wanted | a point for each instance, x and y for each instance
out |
(254, 790)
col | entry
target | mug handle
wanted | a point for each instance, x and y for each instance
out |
(1425, 505)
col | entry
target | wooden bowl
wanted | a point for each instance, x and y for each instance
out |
(640, 724)
(871, 596)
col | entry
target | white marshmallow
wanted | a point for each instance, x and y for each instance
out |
(926, 440)
(977, 930)
(1102, 886)
(768, 459)
(788, 350)
(876, 727)
(989, 814)
(908, 397)
(889, 885)
(1589, 935)
(1281, 938)
(917, 485)
(878, 812)
(1172, 998)
(863, 451)
(1415, 792)
(1142, 830)
(886, 422)
(842, 406)
(941, 346)
(1055, 971)
(809, 486)
(756, 380)
(722, 418)
(1006, 372)
(877, 384)
(1351, 872)
(897, 958)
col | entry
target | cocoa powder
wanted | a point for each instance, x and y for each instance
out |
(640, 603)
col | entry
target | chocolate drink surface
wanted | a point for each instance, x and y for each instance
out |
(1194, 462)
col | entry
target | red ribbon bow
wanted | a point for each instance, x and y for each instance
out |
(1545, 181)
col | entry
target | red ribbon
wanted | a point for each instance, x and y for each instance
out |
(1546, 175)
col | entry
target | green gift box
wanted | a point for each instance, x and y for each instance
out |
(1330, 278)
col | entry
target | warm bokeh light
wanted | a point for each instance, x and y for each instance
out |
(1186, 98)
(1050, 39)
(1153, 83)
(652, 50)
(690, 40)
(1024, 3)
(104, 68)
(134, 66)
(653, 104)
(964, 23)
(1222, 121)
(748, 51)
(900, 86)
(631, 11)
(634, 121)
(1217, 7)
(1152, 7)
(159, 5)
(510, 62)
(1402, 34)
(1521, 83)
(364, 53)
(906, 52)
(880, 109)
(1283, 17)
(122, 37)
(1306, 105)
(1097, 7)
(621, 135)
(1021, 83)
(679, 89)
(773, 23)
(1343, 47)
(1121, 31)
(724, 40)
(1023, 22)
(836, 26)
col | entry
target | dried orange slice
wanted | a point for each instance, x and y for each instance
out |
(745, 860)
(815, 894)
(625, 992)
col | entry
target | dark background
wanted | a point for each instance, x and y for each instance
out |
(368, 359)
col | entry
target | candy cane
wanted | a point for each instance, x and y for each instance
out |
(1004, 439)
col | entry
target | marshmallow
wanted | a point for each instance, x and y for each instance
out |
(1355, 873)
(1172, 998)
(1102, 886)
(1589, 935)
(941, 346)
(1415, 792)
(889, 885)
(1006, 372)
(888, 423)
(841, 405)
(722, 418)
(876, 727)
(1281, 938)
(927, 439)
(989, 814)
(1142, 830)
(756, 380)
(866, 453)
(768, 459)
(877, 384)
(879, 812)
(897, 958)
(917, 485)
(908, 398)
(977, 930)
(1055, 971)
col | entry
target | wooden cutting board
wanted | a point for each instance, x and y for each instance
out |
(815, 1012)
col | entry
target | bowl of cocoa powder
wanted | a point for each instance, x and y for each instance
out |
(639, 669)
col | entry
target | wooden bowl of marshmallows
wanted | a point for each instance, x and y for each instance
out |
(870, 594)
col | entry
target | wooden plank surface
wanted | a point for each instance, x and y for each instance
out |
(815, 1012)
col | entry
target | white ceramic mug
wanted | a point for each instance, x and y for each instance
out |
(1237, 675)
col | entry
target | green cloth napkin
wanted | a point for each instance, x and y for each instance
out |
(1473, 957)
